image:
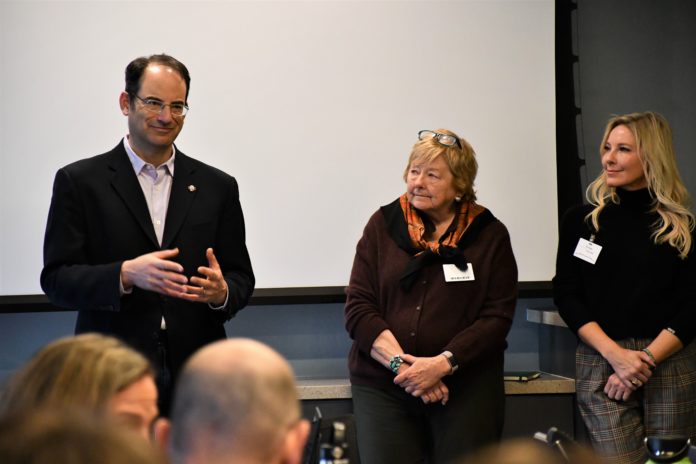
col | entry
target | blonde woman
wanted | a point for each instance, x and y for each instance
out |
(91, 372)
(624, 284)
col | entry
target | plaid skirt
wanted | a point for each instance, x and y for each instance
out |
(665, 405)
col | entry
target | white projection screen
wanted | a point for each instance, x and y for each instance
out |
(312, 105)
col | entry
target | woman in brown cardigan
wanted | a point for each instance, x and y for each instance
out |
(430, 301)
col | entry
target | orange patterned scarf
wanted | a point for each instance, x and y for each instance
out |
(416, 228)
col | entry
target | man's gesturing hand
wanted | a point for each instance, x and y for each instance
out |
(155, 272)
(209, 289)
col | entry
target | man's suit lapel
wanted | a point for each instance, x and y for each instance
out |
(128, 188)
(184, 190)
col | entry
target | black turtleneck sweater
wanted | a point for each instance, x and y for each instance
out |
(636, 288)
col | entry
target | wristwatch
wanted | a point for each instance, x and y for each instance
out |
(454, 365)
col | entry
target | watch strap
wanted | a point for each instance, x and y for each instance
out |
(451, 360)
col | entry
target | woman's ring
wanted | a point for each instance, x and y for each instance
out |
(635, 382)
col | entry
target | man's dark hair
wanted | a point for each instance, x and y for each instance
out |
(136, 68)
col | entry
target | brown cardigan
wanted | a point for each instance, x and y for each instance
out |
(471, 319)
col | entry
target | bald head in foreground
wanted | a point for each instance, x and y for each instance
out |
(235, 402)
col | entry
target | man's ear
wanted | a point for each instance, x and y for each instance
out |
(124, 103)
(162, 431)
(295, 440)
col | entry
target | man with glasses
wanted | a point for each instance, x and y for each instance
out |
(147, 243)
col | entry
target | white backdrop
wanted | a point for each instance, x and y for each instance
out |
(312, 105)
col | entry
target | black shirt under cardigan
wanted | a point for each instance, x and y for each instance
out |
(636, 288)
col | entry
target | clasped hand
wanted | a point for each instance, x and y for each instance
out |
(157, 272)
(632, 369)
(422, 377)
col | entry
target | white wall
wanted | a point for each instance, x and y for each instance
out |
(312, 105)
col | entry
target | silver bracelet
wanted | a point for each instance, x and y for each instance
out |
(649, 353)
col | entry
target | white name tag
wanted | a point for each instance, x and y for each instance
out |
(587, 251)
(454, 274)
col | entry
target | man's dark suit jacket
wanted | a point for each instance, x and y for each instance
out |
(99, 218)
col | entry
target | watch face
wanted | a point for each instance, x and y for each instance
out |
(452, 360)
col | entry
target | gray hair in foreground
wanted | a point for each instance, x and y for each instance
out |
(234, 397)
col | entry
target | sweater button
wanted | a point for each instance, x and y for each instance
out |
(413, 334)
(418, 308)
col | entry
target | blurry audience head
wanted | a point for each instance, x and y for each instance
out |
(460, 158)
(93, 372)
(530, 451)
(235, 401)
(53, 437)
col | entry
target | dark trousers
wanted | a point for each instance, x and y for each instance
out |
(164, 378)
(393, 426)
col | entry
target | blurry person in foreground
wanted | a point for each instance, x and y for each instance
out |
(90, 372)
(236, 401)
(70, 437)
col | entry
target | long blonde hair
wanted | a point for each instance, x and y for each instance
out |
(653, 137)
